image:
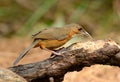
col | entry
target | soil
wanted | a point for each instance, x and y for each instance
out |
(11, 48)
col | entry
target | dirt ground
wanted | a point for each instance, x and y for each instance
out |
(11, 48)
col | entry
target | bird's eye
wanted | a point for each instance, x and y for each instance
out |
(80, 29)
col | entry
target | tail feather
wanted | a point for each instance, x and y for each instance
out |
(24, 53)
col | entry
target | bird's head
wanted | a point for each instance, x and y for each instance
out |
(78, 29)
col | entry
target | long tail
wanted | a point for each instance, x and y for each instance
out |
(24, 53)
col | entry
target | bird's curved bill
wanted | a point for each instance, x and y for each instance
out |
(85, 33)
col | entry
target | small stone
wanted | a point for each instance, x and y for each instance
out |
(8, 76)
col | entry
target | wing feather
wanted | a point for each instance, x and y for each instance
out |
(53, 33)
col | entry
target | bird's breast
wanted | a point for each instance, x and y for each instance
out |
(51, 44)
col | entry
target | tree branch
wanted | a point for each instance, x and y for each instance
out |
(75, 57)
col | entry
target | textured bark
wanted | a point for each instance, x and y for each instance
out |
(75, 57)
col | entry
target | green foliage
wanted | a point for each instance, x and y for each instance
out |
(100, 16)
(43, 8)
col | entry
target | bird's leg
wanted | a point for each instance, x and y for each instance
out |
(59, 49)
(55, 53)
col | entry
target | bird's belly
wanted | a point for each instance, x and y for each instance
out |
(52, 44)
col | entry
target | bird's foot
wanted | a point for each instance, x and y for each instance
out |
(55, 54)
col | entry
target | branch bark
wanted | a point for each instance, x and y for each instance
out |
(75, 57)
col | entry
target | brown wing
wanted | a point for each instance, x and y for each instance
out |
(33, 35)
(53, 33)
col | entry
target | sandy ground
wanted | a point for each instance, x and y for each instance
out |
(11, 48)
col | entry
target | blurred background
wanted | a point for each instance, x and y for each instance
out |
(22, 18)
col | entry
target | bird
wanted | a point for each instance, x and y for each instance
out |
(52, 38)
